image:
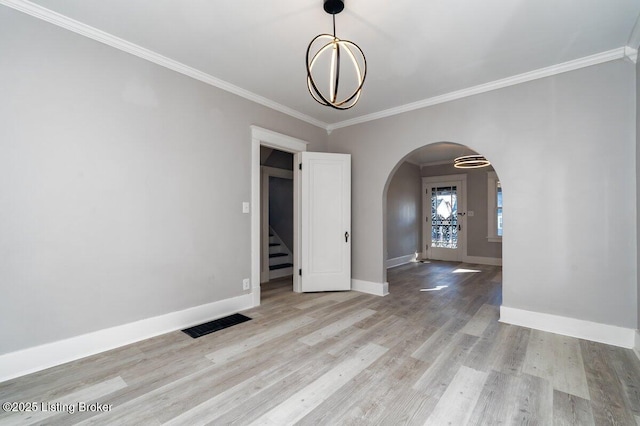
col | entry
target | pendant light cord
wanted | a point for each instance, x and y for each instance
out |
(334, 25)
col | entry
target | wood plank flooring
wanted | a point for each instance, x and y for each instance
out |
(432, 352)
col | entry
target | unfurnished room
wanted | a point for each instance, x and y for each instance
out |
(319, 212)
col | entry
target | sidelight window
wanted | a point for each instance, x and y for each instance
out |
(494, 205)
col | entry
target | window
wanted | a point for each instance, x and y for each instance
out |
(494, 205)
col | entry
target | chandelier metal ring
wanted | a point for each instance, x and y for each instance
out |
(336, 46)
(338, 49)
(471, 162)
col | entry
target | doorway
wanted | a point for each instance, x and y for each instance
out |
(468, 226)
(269, 139)
(321, 219)
(444, 210)
(276, 198)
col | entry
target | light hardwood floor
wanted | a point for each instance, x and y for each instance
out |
(437, 356)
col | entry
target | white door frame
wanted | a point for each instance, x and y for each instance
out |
(268, 138)
(426, 211)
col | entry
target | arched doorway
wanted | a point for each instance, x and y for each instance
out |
(433, 211)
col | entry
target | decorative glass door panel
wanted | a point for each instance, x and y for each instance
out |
(444, 217)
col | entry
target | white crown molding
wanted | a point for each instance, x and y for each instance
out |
(77, 27)
(631, 54)
(63, 21)
(599, 58)
(437, 163)
(634, 37)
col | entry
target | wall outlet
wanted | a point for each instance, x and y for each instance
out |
(246, 284)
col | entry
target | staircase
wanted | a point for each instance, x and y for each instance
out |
(280, 258)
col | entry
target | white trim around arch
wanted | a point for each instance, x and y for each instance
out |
(260, 136)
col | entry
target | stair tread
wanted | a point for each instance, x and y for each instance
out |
(278, 254)
(273, 244)
(281, 266)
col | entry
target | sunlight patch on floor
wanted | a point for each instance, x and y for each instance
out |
(440, 287)
(464, 271)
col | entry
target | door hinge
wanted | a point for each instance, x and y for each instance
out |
(300, 272)
(300, 166)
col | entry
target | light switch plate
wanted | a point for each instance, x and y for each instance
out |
(470, 213)
(245, 207)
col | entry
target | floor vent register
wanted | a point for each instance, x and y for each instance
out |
(216, 325)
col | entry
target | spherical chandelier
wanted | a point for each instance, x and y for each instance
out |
(330, 52)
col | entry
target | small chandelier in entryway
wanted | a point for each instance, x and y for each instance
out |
(471, 162)
(330, 52)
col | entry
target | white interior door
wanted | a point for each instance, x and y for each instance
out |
(325, 221)
(445, 224)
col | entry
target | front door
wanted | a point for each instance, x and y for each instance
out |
(325, 221)
(444, 219)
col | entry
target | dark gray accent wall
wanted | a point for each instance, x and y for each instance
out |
(281, 209)
(404, 206)
(477, 232)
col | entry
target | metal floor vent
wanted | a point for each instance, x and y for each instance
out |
(219, 324)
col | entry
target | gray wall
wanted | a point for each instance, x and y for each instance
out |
(121, 185)
(477, 199)
(638, 178)
(564, 148)
(281, 209)
(404, 206)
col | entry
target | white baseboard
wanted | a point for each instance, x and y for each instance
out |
(402, 260)
(255, 294)
(636, 347)
(377, 289)
(495, 261)
(19, 363)
(597, 332)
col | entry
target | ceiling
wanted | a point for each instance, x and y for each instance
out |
(415, 49)
(439, 153)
